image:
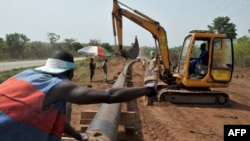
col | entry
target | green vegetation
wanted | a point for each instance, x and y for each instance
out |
(223, 25)
(81, 71)
(6, 74)
(17, 46)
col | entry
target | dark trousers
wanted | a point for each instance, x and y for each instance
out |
(91, 75)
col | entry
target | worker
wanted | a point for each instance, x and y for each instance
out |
(33, 102)
(152, 61)
(144, 64)
(203, 59)
(105, 70)
(91, 69)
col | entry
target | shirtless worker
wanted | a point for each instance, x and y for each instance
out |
(33, 102)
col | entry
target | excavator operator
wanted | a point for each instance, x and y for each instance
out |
(203, 59)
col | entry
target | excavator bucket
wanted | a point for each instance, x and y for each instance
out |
(133, 52)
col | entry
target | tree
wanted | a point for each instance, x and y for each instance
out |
(53, 38)
(16, 43)
(107, 46)
(37, 49)
(2, 44)
(242, 51)
(3, 49)
(224, 26)
(145, 51)
(94, 42)
(76, 46)
(68, 44)
(174, 54)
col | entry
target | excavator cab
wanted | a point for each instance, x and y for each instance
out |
(214, 69)
(194, 87)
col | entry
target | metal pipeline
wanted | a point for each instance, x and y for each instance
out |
(107, 118)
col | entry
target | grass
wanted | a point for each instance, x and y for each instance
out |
(6, 74)
(81, 75)
(81, 71)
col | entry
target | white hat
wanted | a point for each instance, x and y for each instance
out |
(56, 66)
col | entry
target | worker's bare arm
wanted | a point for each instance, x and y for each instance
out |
(74, 93)
(70, 131)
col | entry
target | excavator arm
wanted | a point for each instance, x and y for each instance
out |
(144, 21)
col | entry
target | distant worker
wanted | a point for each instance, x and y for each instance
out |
(203, 59)
(91, 69)
(144, 64)
(152, 54)
(105, 70)
(33, 102)
(152, 61)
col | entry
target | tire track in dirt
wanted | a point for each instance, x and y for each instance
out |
(154, 126)
(195, 124)
(173, 123)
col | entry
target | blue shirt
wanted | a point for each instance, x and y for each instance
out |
(22, 117)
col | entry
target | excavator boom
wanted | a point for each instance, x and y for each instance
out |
(144, 21)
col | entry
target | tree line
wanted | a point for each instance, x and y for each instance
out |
(18, 46)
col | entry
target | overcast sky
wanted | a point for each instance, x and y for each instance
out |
(84, 20)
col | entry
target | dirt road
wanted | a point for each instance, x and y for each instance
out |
(170, 122)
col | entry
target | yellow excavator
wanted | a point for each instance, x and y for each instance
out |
(180, 85)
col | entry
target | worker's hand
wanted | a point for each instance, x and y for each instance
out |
(151, 75)
(91, 135)
(151, 79)
(84, 137)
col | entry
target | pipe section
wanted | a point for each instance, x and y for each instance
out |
(107, 118)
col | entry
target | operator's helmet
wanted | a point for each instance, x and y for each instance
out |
(203, 46)
(152, 54)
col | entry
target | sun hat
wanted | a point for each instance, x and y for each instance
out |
(60, 61)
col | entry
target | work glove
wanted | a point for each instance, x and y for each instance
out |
(91, 135)
(151, 79)
(84, 137)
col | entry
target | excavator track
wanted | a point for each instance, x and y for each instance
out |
(187, 96)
